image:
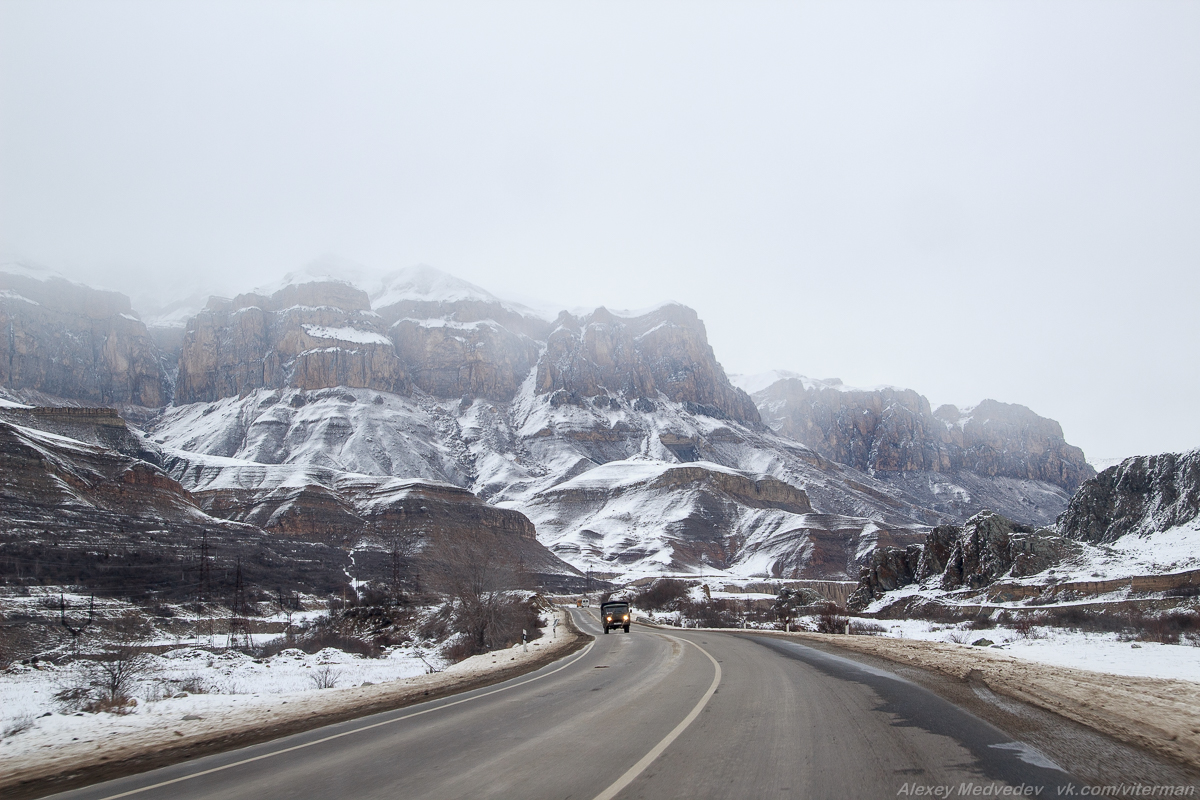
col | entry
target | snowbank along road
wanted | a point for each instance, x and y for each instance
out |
(650, 714)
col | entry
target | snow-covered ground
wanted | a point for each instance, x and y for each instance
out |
(197, 681)
(191, 692)
(1099, 652)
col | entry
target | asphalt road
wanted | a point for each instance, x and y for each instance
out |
(649, 714)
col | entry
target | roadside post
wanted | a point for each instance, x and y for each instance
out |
(524, 640)
(554, 628)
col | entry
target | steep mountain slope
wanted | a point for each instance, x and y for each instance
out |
(66, 340)
(618, 434)
(522, 454)
(995, 455)
(80, 514)
(74, 512)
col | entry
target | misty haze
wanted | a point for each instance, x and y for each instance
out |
(672, 400)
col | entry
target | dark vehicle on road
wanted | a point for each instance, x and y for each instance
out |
(614, 615)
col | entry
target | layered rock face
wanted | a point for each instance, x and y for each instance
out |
(365, 512)
(69, 341)
(665, 351)
(313, 336)
(984, 550)
(994, 455)
(1008, 440)
(640, 516)
(1142, 495)
(894, 430)
(456, 339)
(80, 514)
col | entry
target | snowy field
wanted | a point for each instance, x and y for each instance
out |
(191, 692)
(1099, 652)
(199, 682)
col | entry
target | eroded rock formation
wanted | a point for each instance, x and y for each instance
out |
(894, 430)
(70, 341)
(1144, 495)
(665, 350)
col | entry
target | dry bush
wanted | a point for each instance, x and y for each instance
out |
(484, 611)
(1025, 626)
(106, 681)
(17, 725)
(832, 619)
(325, 677)
(664, 594)
(865, 628)
(712, 613)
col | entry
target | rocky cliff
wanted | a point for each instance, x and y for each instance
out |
(428, 331)
(1142, 495)
(664, 352)
(313, 336)
(363, 513)
(986, 549)
(78, 514)
(994, 455)
(69, 341)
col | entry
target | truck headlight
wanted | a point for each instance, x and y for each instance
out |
(626, 617)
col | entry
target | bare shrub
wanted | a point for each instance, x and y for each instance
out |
(116, 671)
(192, 684)
(832, 619)
(865, 628)
(485, 611)
(105, 681)
(712, 613)
(18, 724)
(325, 677)
(1025, 626)
(664, 594)
(957, 637)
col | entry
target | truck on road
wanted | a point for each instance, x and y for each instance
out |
(614, 614)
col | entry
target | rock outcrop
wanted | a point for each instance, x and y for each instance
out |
(664, 351)
(70, 341)
(78, 514)
(312, 336)
(1144, 495)
(894, 430)
(994, 455)
(365, 512)
(984, 550)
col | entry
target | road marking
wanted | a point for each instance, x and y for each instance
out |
(648, 759)
(273, 753)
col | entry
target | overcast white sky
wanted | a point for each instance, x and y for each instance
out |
(970, 199)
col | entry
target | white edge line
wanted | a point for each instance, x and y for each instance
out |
(273, 753)
(648, 759)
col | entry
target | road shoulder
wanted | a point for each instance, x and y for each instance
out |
(61, 768)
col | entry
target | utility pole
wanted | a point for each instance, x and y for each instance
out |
(239, 626)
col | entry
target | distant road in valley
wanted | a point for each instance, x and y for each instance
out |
(651, 714)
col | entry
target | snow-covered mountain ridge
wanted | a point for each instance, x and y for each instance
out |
(430, 378)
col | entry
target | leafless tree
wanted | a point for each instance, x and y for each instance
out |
(478, 580)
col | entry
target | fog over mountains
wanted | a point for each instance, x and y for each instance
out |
(300, 408)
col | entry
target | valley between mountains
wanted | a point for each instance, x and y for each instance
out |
(318, 480)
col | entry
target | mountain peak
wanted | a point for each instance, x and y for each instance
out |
(423, 283)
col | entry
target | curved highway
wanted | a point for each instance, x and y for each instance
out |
(650, 714)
